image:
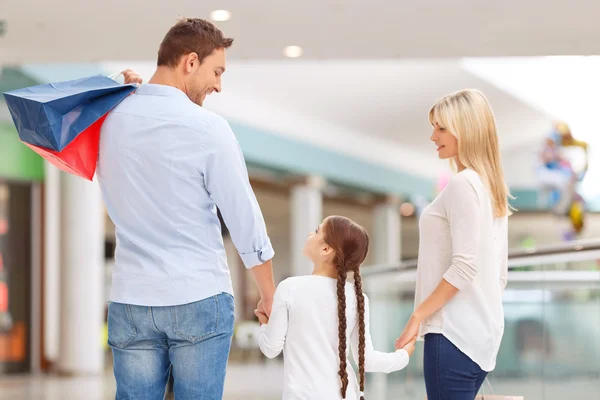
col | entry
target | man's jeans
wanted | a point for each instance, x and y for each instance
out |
(192, 339)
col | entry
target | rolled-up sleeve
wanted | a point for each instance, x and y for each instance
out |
(226, 179)
(464, 214)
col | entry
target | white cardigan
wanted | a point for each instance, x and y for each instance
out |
(462, 242)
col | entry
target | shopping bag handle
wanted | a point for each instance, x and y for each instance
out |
(116, 75)
(489, 385)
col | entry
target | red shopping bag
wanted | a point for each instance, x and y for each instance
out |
(80, 156)
(61, 121)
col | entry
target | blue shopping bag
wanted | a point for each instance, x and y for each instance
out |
(61, 121)
(52, 115)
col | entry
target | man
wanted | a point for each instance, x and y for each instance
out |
(165, 165)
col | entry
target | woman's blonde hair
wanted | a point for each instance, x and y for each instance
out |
(467, 114)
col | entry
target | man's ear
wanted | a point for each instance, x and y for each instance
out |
(191, 62)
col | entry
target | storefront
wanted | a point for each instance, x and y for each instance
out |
(21, 173)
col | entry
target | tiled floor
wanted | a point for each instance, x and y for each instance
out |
(264, 382)
(247, 382)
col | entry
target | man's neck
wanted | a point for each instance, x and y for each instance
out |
(167, 77)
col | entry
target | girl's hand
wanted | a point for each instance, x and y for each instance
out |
(262, 317)
(410, 347)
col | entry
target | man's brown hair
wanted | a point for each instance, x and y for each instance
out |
(191, 35)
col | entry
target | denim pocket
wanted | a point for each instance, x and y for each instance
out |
(455, 364)
(196, 321)
(121, 328)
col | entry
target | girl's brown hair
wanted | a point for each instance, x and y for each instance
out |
(350, 243)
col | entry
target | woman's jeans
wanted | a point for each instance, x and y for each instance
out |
(449, 373)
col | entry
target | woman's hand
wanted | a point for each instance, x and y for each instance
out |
(262, 317)
(411, 331)
(440, 296)
(409, 348)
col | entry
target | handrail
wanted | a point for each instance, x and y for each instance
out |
(561, 248)
(579, 246)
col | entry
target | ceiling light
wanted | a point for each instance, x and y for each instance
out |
(407, 209)
(292, 51)
(220, 15)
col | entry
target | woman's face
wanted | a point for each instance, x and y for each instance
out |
(446, 142)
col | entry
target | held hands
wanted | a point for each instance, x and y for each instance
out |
(409, 348)
(411, 331)
(263, 310)
(262, 317)
(265, 305)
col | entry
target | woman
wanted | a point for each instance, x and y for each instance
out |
(317, 318)
(462, 266)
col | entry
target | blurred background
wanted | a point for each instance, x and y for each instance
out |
(329, 100)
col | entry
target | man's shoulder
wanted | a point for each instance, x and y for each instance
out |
(176, 111)
(200, 119)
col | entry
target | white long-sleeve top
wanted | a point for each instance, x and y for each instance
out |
(461, 241)
(304, 324)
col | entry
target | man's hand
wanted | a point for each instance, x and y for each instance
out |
(262, 317)
(263, 275)
(131, 76)
(264, 306)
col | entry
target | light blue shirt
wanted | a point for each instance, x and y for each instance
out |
(165, 164)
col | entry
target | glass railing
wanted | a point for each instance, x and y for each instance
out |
(551, 345)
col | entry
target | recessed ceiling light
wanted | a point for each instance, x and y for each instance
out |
(293, 51)
(407, 209)
(220, 15)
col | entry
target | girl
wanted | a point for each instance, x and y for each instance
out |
(314, 318)
(463, 253)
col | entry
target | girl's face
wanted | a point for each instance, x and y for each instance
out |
(315, 247)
